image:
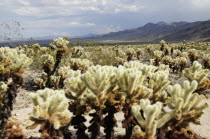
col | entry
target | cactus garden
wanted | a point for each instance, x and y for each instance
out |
(145, 91)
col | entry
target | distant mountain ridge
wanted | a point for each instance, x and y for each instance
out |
(51, 37)
(149, 33)
(173, 32)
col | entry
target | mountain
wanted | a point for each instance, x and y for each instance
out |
(84, 36)
(149, 33)
(199, 31)
(173, 32)
(52, 37)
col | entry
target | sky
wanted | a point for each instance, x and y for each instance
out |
(80, 17)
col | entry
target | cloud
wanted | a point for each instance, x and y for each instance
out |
(24, 2)
(77, 24)
(74, 7)
(201, 3)
(103, 29)
(28, 11)
(57, 23)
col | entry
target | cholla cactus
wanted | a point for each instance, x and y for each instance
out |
(26, 46)
(186, 133)
(13, 130)
(44, 49)
(118, 61)
(55, 80)
(36, 46)
(206, 61)
(75, 87)
(193, 54)
(162, 45)
(3, 89)
(149, 49)
(5, 99)
(63, 73)
(47, 63)
(177, 52)
(162, 42)
(99, 80)
(18, 60)
(61, 49)
(184, 54)
(80, 64)
(74, 84)
(50, 109)
(145, 69)
(182, 62)
(187, 104)
(167, 50)
(152, 61)
(40, 83)
(131, 53)
(131, 82)
(60, 42)
(158, 82)
(52, 46)
(158, 56)
(72, 73)
(75, 90)
(139, 52)
(133, 64)
(167, 60)
(13, 63)
(179, 63)
(163, 67)
(195, 72)
(120, 53)
(152, 118)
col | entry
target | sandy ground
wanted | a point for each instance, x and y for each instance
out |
(23, 107)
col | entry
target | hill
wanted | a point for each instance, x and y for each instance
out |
(172, 32)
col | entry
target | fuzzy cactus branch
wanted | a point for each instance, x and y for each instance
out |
(50, 109)
(195, 72)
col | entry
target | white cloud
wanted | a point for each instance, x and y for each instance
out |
(201, 3)
(24, 2)
(56, 23)
(106, 29)
(28, 11)
(90, 24)
(77, 24)
(73, 7)
(131, 8)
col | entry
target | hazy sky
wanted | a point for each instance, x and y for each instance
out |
(79, 17)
